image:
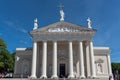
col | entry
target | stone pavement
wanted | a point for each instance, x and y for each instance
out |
(49, 79)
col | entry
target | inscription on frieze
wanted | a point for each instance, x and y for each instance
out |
(63, 29)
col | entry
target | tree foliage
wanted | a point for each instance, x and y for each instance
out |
(116, 66)
(2, 45)
(6, 59)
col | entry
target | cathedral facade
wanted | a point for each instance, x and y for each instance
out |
(63, 49)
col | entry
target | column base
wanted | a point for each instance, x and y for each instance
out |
(43, 77)
(71, 76)
(89, 76)
(82, 77)
(93, 77)
(111, 77)
(33, 77)
(54, 77)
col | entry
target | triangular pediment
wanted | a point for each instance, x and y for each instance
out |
(63, 26)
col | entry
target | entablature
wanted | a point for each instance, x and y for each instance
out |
(84, 37)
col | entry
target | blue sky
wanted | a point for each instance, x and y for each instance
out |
(16, 20)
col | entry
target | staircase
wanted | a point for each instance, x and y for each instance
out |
(51, 79)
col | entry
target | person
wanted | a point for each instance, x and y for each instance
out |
(1, 75)
(111, 78)
(28, 77)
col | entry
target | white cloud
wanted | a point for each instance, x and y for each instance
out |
(22, 30)
(9, 23)
(24, 42)
(15, 26)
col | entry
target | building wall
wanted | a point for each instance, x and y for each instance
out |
(104, 66)
(23, 64)
(63, 51)
(101, 62)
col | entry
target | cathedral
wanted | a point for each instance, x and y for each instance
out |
(63, 50)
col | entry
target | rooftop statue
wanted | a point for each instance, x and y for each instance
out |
(62, 15)
(35, 24)
(89, 22)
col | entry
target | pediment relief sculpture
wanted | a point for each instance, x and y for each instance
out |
(63, 29)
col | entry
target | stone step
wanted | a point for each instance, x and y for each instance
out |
(50, 79)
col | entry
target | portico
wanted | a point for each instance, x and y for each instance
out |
(70, 47)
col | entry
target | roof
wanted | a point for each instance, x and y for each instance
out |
(101, 50)
(63, 26)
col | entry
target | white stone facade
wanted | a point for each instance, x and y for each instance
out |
(60, 50)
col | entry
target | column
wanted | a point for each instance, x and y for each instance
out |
(93, 73)
(15, 65)
(109, 65)
(81, 60)
(71, 75)
(44, 60)
(88, 62)
(34, 60)
(54, 66)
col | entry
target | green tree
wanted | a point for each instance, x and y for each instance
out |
(2, 45)
(6, 59)
(116, 66)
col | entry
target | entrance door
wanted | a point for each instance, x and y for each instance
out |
(62, 70)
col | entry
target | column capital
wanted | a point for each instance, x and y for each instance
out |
(90, 41)
(87, 43)
(70, 40)
(80, 40)
(54, 40)
(44, 40)
(108, 54)
(34, 42)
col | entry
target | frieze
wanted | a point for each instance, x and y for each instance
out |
(63, 29)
